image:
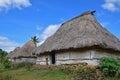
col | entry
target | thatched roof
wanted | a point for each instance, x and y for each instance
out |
(25, 51)
(13, 52)
(80, 32)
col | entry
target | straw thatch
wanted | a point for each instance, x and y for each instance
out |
(80, 32)
(25, 51)
(13, 52)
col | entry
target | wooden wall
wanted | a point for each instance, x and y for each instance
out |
(74, 57)
(32, 60)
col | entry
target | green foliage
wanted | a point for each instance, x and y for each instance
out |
(25, 65)
(85, 73)
(28, 66)
(79, 70)
(2, 55)
(35, 39)
(66, 69)
(17, 65)
(4, 62)
(109, 66)
(22, 74)
(7, 77)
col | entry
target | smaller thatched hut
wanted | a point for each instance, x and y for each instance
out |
(12, 53)
(23, 54)
(81, 39)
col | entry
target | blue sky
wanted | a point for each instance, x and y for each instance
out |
(22, 19)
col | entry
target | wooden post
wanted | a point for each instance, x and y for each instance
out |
(47, 61)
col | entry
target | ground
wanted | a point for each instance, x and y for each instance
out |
(65, 72)
(23, 74)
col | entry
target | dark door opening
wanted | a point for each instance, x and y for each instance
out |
(52, 56)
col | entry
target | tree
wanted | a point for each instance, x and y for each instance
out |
(2, 54)
(35, 39)
(3, 59)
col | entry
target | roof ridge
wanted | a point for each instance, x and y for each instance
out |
(85, 13)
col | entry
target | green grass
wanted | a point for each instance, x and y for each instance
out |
(23, 74)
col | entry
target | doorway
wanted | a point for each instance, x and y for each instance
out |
(52, 57)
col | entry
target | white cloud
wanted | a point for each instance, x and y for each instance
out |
(111, 5)
(8, 4)
(3, 38)
(7, 44)
(50, 30)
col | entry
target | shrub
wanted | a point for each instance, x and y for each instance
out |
(21, 65)
(17, 65)
(66, 69)
(6, 63)
(109, 66)
(85, 73)
(79, 70)
(28, 66)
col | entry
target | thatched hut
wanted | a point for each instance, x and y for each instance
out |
(12, 53)
(81, 39)
(23, 54)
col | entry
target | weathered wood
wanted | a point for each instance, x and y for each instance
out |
(71, 57)
(32, 60)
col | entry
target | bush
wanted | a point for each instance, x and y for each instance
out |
(109, 66)
(66, 69)
(21, 65)
(18, 65)
(28, 66)
(85, 73)
(79, 70)
(6, 63)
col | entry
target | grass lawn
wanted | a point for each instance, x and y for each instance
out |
(23, 74)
